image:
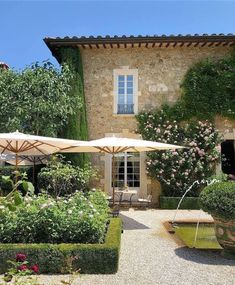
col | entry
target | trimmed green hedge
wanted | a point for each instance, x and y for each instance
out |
(57, 258)
(172, 203)
(218, 199)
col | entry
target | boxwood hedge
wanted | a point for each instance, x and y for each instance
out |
(219, 200)
(172, 202)
(58, 258)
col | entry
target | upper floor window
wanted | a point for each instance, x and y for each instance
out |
(125, 91)
(125, 94)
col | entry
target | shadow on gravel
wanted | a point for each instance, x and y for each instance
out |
(131, 224)
(211, 257)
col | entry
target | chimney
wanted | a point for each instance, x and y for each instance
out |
(3, 65)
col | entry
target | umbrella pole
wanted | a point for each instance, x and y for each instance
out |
(16, 168)
(113, 176)
(33, 170)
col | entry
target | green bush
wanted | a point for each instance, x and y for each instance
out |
(56, 258)
(6, 187)
(60, 178)
(219, 200)
(79, 218)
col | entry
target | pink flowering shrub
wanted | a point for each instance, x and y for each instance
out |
(176, 170)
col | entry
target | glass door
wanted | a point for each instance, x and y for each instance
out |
(127, 170)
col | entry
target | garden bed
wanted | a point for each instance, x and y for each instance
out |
(172, 203)
(58, 258)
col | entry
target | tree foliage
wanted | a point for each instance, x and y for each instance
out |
(37, 100)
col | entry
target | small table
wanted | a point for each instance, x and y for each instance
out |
(129, 192)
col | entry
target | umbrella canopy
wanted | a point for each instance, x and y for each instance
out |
(23, 144)
(114, 145)
(30, 145)
(27, 160)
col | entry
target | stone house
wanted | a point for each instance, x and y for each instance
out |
(124, 75)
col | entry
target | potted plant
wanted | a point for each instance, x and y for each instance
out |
(219, 200)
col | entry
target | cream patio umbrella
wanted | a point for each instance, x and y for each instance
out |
(20, 144)
(23, 160)
(113, 145)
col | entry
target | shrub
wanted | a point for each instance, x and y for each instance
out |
(79, 218)
(60, 178)
(172, 203)
(219, 200)
(53, 258)
(5, 186)
(177, 170)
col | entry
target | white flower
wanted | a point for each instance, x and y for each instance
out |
(70, 212)
(43, 206)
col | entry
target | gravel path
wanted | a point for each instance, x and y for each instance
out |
(149, 255)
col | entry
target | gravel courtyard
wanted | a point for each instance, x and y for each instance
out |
(149, 255)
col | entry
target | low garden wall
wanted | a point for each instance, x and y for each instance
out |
(58, 258)
(172, 203)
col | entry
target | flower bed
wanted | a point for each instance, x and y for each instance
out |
(79, 218)
(58, 258)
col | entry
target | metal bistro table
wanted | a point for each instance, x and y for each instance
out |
(125, 192)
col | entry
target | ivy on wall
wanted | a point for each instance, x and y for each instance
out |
(77, 127)
(208, 89)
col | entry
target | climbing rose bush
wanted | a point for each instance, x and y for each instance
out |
(176, 170)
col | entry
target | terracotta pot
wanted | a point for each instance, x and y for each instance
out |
(225, 234)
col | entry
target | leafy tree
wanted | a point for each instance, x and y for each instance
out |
(37, 99)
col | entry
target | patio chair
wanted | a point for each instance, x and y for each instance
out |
(110, 199)
(145, 202)
(115, 211)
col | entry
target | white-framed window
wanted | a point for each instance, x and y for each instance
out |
(127, 170)
(125, 91)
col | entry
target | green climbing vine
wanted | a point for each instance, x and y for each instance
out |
(77, 127)
(208, 89)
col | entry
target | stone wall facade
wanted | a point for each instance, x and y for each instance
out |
(160, 73)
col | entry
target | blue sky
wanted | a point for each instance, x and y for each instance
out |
(24, 24)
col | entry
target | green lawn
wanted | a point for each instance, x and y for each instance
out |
(205, 239)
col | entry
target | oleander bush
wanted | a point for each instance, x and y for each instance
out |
(218, 199)
(60, 178)
(78, 218)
